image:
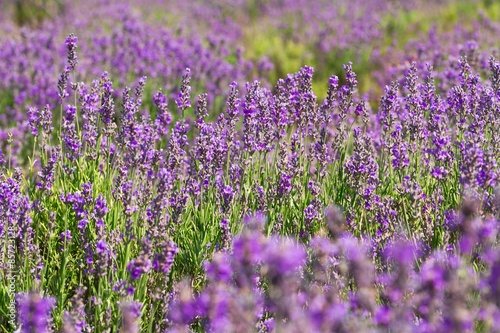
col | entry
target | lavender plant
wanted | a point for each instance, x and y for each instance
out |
(283, 212)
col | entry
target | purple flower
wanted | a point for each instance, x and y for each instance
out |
(163, 118)
(34, 120)
(66, 236)
(72, 141)
(34, 313)
(285, 184)
(335, 221)
(164, 260)
(100, 207)
(107, 105)
(310, 214)
(227, 197)
(333, 81)
(350, 75)
(72, 61)
(138, 267)
(71, 45)
(131, 312)
(46, 120)
(219, 269)
(47, 173)
(183, 96)
(283, 257)
(225, 232)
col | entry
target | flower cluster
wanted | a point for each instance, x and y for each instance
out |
(159, 211)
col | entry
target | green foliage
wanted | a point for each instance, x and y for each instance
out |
(33, 12)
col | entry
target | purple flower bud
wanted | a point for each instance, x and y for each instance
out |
(100, 207)
(34, 313)
(66, 236)
(138, 267)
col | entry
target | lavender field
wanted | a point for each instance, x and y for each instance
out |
(249, 166)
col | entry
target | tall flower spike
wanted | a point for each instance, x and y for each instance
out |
(163, 118)
(183, 102)
(71, 140)
(201, 111)
(107, 107)
(34, 120)
(46, 120)
(350, 75)
(495, 74)
(62, 84)
(71, 45)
